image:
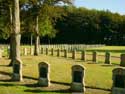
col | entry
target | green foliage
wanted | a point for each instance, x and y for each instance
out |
(46, 28)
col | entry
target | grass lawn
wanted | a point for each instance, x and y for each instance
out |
(96, 76)
(114, 49)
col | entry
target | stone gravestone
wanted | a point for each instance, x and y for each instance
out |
(31, 51)
(42, 50)
(25, 51)
(52, 51)
(95, 57)
(58, 52)
(0, 53)
(47, 51)
(73, 54)
(44, 79)
(17, 70)
(65, 53)
(122, 63)
(8, 50)
(118, 81)
(83, 56)
(78, 73)
(107, 58)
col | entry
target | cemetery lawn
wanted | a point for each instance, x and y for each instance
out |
(113, 49)
(98, 76)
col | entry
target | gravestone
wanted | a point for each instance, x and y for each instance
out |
(107, 58)
(47, 51)
(65, 53)
(52, 51)
(74, 54)
(122, 62)
(31, 51)
(118, 81)
(0, 53)
(83, 56)
(95, 57)
(25, 51)
(8, 50)
(78, 73)
(58, 52)
(17, 70)
(42, 50)
(44, 79)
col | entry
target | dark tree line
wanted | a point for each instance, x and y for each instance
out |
(91, 27)
(82, 26)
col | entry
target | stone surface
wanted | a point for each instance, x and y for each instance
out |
(65, 53)
(52, 51)
(25, 51)
(83, 56)
(31, 51)
(47, 51)
(0, 53)
(95, 57)
(58, 52)
(122, 62)
(118, 81)
(42, 50)
(17, 70)
(44, 70)
(107, 58)
(78, 73)
(74, 54)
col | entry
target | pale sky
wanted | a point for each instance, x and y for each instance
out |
(112, 5)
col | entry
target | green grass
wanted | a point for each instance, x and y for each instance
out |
(96, 75)
(115, 49)
(61, 72)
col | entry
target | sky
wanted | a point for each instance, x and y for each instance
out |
(111, 5)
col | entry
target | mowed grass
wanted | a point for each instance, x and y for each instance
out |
(96, 75)
(116, 50)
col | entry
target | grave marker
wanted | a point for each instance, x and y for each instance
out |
(118, 81)
(107, 58)
(47, 51)
(58, 52)
(122, 63)
(44, 79)
(83, 56)
(78, 73)
(95, 57)
(52, 51)
(73, 54)
(17, 70)
(25, 51)
(65, 53)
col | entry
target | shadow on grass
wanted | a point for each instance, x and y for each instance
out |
(7, 84)
(36, 85)
(48, 91)
(110, 65)
(5, 73)
(4, 66)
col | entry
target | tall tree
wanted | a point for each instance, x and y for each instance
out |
(16, 31)
(37, 6)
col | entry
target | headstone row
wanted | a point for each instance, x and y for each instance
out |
(78, 72)
(84, 57)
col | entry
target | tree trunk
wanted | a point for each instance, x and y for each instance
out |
(16, 31)
(36, 45)
(11, 37)
(17, 76)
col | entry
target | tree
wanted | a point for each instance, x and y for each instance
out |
(37, 7)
